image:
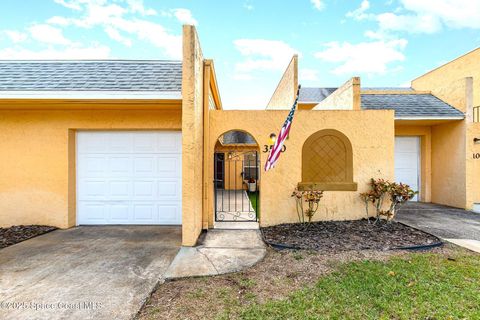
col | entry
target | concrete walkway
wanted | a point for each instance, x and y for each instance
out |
(221, 251)
(85, 272)
(451, 224)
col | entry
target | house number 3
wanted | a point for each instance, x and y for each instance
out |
(476, 156)
(267, 148)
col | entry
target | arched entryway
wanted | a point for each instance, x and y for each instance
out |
(236, 177)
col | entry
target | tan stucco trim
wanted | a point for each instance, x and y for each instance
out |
(212, 80)
(72, 178)
(86, 104)
(193, 107)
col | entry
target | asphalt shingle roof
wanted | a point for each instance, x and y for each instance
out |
(99, 75)
(314, 94)
(410, 105)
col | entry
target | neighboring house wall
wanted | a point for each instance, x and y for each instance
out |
(37, 159)
(286, 90)
(192, 134)
(346, 97)
(371, 134)
(458, 83)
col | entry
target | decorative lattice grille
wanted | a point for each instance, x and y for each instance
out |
(327, 157)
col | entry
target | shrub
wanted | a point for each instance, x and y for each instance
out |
(380, 189)
(311, 198)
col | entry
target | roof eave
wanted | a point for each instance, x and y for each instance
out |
(429, 118)
(87, 95)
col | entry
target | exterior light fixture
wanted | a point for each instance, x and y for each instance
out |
(273, 138)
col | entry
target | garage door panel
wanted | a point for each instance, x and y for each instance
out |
(407, 156)
(92, 213)
(120, 166)
(170, 142)
(132, 179)
(169, 190)
(119, 142)
(145, 166)
(144, 142)
(168, 166)
(119, 213)
(92, 190)
(406, 160)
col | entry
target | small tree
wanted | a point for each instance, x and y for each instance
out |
(397, 193)
(376, 195)
(312, 198)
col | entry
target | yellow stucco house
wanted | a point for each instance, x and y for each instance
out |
(147, 142)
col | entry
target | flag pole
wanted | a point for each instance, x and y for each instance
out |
(275, 151)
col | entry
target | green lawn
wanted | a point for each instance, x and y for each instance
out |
(253, 196)
(424, 286)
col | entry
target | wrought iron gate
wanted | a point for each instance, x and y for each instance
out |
(236, 183)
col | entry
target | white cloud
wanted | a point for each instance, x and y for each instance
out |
(71, 52)
(261, 55)
(16, 36)
(426, 16)
(318, 4)
(247, 5)
(360, 12)
(115, 20)
(410, 23)
(365, 57)
(138, 6)
(184, 16)
(47, 34)
(115, 35)
(73, 4)
(305, 74)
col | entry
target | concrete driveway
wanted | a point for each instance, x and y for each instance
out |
(452, 224)
(98, 272)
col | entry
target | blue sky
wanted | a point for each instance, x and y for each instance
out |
(386, 42)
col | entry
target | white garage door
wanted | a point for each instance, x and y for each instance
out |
(407, 159)
(129, 177)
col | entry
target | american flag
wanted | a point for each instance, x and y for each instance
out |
(277, 147)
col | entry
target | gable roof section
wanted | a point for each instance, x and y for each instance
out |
(137, 78)
(314, 95)
(411, 106)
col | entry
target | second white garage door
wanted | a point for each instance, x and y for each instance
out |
(129, 177)
(407, 162)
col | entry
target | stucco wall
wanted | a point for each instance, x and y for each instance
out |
(458, 83)
(286, 90)
(37, 158)
(192, 135)
(346, 97)
(448, 164)
(371, 134)
(447, 83)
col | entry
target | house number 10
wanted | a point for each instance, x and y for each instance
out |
(476, 156)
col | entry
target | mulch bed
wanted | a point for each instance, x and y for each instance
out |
(15, 234)
(337, 236)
